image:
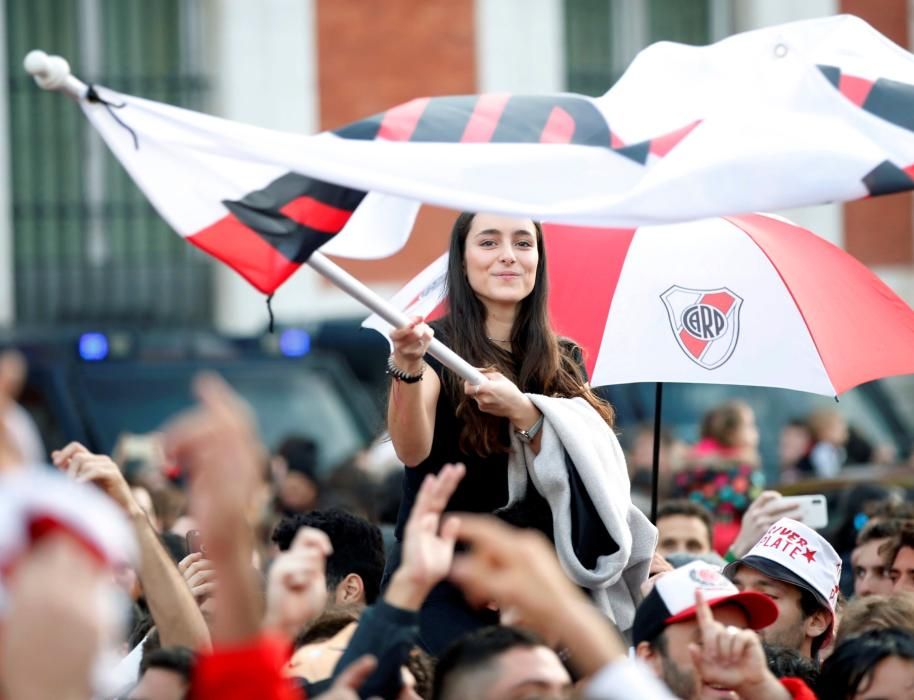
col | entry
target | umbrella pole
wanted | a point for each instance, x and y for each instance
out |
(655, 466)
(358, 291)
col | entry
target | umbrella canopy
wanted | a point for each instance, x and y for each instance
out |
(746, 300)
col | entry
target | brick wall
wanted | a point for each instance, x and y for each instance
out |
(374, 54)
(880, 231)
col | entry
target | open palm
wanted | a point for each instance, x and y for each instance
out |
(428, 546)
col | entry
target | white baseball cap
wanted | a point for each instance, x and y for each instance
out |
(794, 553)
(672, 600)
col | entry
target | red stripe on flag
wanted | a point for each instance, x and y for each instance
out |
(855, 89)
(615, 141)
(485, 118)
(692, 344)
(909, 170)
(400, 122)
(317, 215)
(584, 264)
(559, 127)
(245, 252)
(662, 145)
(719, 300)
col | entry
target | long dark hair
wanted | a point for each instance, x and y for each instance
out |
(539, 364)
(850, 667)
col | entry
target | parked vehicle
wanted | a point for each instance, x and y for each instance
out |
(92, 387)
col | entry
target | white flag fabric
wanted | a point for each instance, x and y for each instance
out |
(799, 114)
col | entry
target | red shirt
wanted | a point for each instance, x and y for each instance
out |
(241, 673)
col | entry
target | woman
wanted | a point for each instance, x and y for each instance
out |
(723, 471)
(877, 665)
(498, 321)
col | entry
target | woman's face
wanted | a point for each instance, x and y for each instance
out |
(747, 433)
(892, 679)
(500, 258)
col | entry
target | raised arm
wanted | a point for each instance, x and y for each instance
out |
(411, 404)
(171, 603)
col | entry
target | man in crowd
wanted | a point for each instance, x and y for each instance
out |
(669, 624)
(871, 574)
(899, 550)
(355, 567)
(499, 663)
(683, 526)
(796, 567)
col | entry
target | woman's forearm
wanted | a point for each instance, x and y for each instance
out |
(411, 417)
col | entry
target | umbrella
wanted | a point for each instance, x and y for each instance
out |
(746, 300)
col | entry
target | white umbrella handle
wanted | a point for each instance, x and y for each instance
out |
(53, 73)
(349, 284)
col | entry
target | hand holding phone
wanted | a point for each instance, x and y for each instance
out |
(195, 542)
(813, 509)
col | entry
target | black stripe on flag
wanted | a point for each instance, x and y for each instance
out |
(445, 119)
(260, 212)
(291, 186)
(525, 117)
(637, 152)
(832, 73)
(892, 101)
(362, 130)
(887, 178)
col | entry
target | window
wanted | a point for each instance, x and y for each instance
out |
(603, 36)
(88, 247)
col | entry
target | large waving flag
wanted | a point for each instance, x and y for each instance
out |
(800, 114)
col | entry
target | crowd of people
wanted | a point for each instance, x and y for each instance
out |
(504, 559)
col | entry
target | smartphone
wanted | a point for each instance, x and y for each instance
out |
(813, 509)
(194, 542)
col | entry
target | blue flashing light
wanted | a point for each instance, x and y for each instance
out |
(294, 342)
(93, 346)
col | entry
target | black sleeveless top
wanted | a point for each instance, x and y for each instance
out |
(484, 488)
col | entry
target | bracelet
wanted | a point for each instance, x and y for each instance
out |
(402, 376)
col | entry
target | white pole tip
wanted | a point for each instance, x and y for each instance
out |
(36, 62)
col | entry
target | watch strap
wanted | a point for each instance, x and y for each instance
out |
(530, 433)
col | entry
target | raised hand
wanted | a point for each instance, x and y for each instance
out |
(730, 657)
(519, 570)
(218, 445)
(297, 583)
(428, 546)
(411, 343)
(200, 575)
(84, 466)
(499, 396)
(764, 512)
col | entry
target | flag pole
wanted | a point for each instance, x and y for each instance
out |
(357, 290)
(53, 73)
